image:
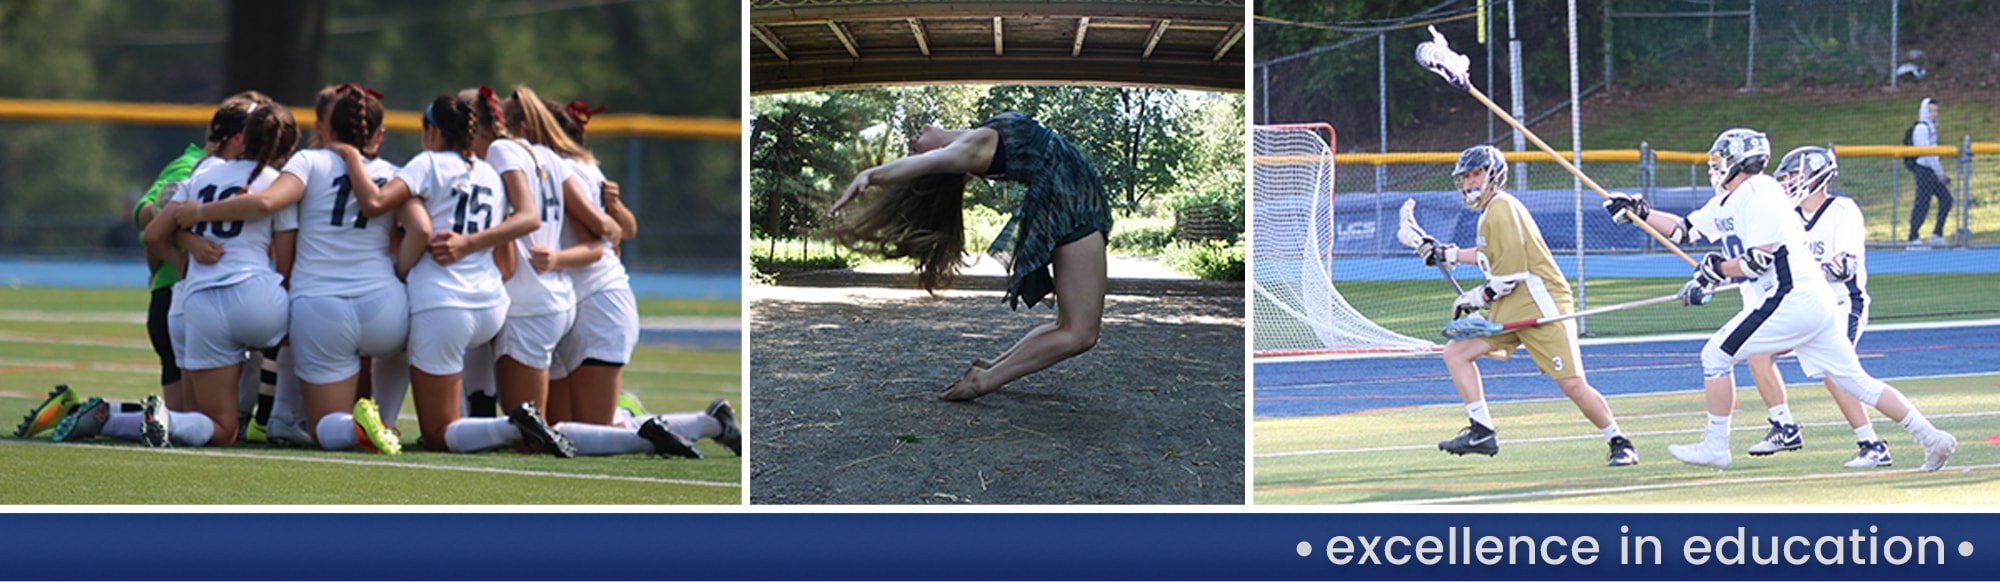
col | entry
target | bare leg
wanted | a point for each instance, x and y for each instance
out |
(1851, 408)
(560, 398)
(176, 394)
(1587, 399)
(436, 399)
(213, 394)
(325, 399)
(520, 383)
(1720, 394)
(1459, 356)
(1770, 386)
(1080, 287)
(593, 393)
(1032, 334)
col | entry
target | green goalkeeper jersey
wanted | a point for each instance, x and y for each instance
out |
(176, 170)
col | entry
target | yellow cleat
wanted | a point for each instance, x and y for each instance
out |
(49, 413)
(375, 438)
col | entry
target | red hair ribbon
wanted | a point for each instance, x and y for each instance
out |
(582, 111)
(492, 102)
(358, 87)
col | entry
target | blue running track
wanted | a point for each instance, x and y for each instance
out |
(1328, 387)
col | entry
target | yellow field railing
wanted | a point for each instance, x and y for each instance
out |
(1859, 151)
(632, 124)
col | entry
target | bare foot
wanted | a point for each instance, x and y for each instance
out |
(982, 363)
(967, 387)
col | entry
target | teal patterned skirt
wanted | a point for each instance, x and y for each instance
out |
(1064, 203)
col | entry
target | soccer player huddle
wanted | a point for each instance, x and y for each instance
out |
(1796, 252)
(481, 272)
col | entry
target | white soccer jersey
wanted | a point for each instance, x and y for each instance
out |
(245, 243)
(1755, 214)
(1837, 228)
(608, 272)
(464, 197)
(533, 293)
(340, 253)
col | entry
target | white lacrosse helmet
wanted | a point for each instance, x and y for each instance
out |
(1482, 157)
(1737, 151)
(1807, 170)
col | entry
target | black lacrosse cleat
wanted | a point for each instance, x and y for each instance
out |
(1622, 454)
(537, 432)
(1473, 439)
(1784, 436)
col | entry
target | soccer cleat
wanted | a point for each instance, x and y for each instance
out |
(630, 403)
(1622, 454)
(1938, 446)
(49, 413)
(1701, 454)
(374, 437)
(84, 421)
(1473, 439)
(1873, 454)
(256, 432)
(665, 442)
(537, 432)
(1784, 436)
(732, 435)
(292, 435)
(155, 429)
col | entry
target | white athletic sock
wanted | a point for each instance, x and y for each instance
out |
(1783, 413)
(471, 435)
(1610, 430)
(124, 425)
(1477, 410)
(336, 432)
(189, 429)
(623, 417)
(693, 425)
(1917, 424)
(1866, 433)
(593, 440)
(1717, 432)
(287, 404)
(392, 383)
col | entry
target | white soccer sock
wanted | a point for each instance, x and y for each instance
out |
(593, 440)
(336, 432)
(392, 382)
(124, 425)
(189, 429)
(1866, 433)
(693, 425)
(1610, 430)
(1917, 424)
(1717, 432)
(623, 417)
(1783, 413)
(471, 435)
(287, 404)
(1477, 410)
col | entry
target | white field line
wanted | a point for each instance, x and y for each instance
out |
(519, 472)
(1746, 428)
(1682, 485)
(1627, 340)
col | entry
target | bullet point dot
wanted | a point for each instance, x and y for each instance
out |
(1965, 549)
(1306, 549)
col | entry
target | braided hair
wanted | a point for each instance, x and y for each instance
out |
(269, 134)
(353, 115)
(486, 118)
(453, 117)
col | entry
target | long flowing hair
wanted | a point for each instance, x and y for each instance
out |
(922, 219)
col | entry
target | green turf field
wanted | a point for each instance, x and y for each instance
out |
(1550, 454)
(94, 340)
(1418, 308)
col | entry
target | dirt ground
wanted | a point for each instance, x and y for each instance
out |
(845, 369)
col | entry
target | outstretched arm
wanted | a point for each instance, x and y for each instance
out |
(960, 157)
(286, 191)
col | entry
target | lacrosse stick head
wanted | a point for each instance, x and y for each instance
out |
(1407, 231)
(1471, 327)
(1436, 55)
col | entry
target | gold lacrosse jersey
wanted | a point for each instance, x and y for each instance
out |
(1511, 249)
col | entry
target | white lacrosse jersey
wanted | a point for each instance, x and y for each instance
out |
(1837, 228)
(1755, 214)
(608, 272)
(245, 244)
(533, 293)
(340, 252)
(464, 197)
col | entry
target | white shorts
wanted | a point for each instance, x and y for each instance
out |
(1812, 330)
(330, 334)
(220, 322)
(531, 340)
(439, 337)
(606, 329)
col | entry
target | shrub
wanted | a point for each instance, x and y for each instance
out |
(1212, 260)
(1145, 236)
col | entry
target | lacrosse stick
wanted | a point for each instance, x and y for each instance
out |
(1412, 235)
(1435, 55)
(1471, 328)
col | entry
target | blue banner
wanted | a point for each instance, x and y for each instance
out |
(1000, 546)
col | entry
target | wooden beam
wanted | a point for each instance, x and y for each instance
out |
(997, 44)
(1228, 42)
(1158, 31)
(797, 11)
(1100, 68)
(917, 28)
(770, 40)
(846, 39)
(1082, 26)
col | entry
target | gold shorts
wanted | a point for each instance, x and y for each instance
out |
(1553, 346)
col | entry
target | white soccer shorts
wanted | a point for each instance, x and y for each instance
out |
(531, 340)
(606, 329)
(439, 337)
(330, 334)
(220, 322)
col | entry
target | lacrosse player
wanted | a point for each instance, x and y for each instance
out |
(1763, 241)
(1522, 283)
(1834, 235)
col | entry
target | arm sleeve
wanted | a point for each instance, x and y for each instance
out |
(417, 176)
(175, 171)
(1926, 135)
